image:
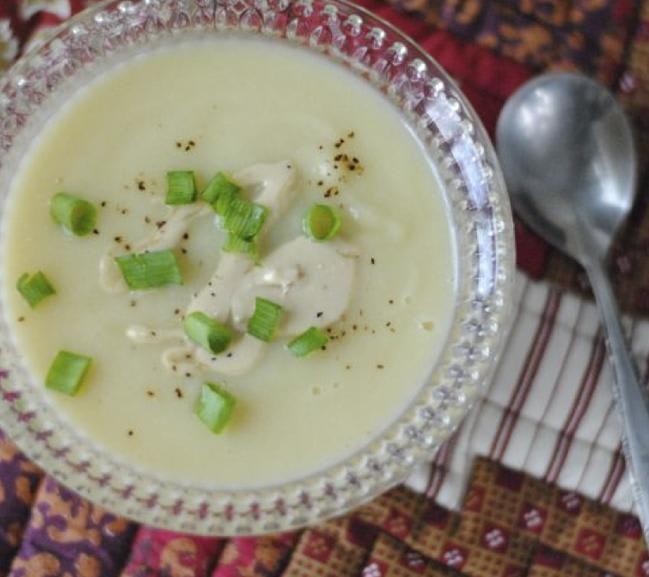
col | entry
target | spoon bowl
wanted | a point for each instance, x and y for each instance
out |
(567, 152)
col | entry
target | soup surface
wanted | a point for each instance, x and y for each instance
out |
(268, 115)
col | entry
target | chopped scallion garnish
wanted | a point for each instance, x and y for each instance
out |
(215, 407)
(264, 321)
(225, 199)
(181, 187)
(219, 185)
(74, 214)
(244, 219)
(150, 269)
(309, 341)
(34, 288)
(207, 332)
(321, 222)
(247, 247)
(67, 372)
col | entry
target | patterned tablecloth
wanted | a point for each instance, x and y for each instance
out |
(533, 484)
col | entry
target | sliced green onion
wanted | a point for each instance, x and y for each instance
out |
(74, 214)
(321, 222)
(207, 332)
(215, 407)
(223, 202)
(149, 269)
(264, 321)
(247, 247)
(219, 185)
(244, 219)
(67, 372)
(34, 288)
(181, 187)
(309, 341)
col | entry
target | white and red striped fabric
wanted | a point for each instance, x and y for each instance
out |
(549, 409)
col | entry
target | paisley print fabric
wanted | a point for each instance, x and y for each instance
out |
(157, 553)
(69, 537)
(19, 480)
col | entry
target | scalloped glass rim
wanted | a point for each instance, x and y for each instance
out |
(455, 139)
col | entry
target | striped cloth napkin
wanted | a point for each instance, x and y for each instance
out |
(549, 409)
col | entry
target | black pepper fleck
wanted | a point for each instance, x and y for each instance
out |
(118, 239)
(21, 319)
(150, 393)
(319, 314)
(183, 250)
(102, 203)
(372, 260)
(380, 366)
(130, 432)
(229, 355)
(188, 375)
(179, 393)
(391, 301)
(141, 185)
(124, 211)
(185, 236)
(147, 219)
(161, 223)
(95, 231)
(133, 303)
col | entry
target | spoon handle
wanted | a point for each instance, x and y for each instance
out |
(630, 395)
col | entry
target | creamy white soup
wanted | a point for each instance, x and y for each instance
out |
(291, 130)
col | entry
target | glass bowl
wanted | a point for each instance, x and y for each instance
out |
(479, 208)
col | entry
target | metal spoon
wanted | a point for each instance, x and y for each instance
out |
(569, 161)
